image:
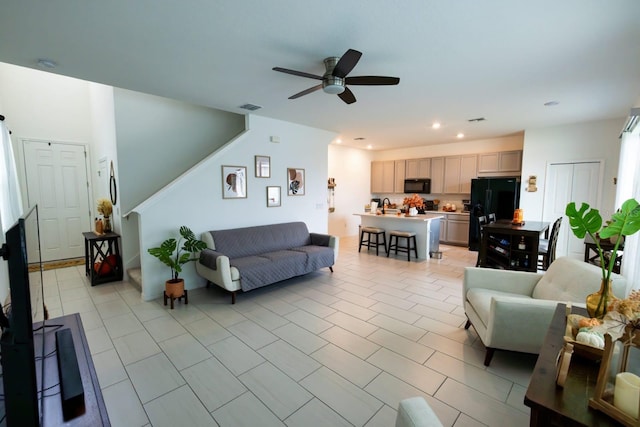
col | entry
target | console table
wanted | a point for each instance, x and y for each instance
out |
(569, 406)
(500, 245)
(104, 247)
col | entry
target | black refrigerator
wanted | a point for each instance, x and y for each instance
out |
(491, 195)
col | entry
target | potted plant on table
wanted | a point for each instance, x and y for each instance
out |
(172, 254)
(624, 222)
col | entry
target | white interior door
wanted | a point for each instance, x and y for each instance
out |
(57, 181)
(569, 182)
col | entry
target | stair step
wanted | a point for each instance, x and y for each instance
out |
(135, 277)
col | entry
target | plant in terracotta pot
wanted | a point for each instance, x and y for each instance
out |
(624, 222)
(175, 255)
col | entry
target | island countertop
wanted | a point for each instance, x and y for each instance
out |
(403, 217)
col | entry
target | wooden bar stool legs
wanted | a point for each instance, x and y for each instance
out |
(410, 239)
(373, 232)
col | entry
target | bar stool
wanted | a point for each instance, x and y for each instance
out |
(377, 232)
(410, 237)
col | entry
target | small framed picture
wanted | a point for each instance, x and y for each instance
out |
(263, 166)
(234, 182)
(295, 182)
(273, 196)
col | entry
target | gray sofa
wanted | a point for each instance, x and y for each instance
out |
(252, 257)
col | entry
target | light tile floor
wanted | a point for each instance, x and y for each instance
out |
(326, 349)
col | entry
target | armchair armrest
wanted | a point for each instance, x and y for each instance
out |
(517, 282)
(519, 324)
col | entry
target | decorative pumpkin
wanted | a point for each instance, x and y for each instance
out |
(590, 337)
(587, 322)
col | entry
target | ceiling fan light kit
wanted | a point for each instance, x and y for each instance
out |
(335, 80)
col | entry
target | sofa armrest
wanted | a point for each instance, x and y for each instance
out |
(517, 282)
(328, 240)
(215, 267)
(519, 324)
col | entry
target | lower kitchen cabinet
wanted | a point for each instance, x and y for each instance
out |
(454, 229)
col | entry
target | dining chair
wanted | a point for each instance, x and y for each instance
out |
(547, 247)
(491, 217)
(482, 221)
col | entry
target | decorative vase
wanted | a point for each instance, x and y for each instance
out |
(174, 288)
(107, 224)
(598, 302)
(99, 226)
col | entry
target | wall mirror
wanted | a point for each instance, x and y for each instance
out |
(263, 166)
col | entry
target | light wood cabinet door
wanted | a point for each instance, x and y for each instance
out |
(437, 176)
(501, 164)
(457, 230)
(511, 161)
(443, 229)
(400, 172)
(418, 168)
(468, 171)
(488, 162)
(382, 176)
(452, 174)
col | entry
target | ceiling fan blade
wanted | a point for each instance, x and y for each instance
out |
(306, 91)
(347, 96)
(297, 73)
(346, 63)
(372, 80)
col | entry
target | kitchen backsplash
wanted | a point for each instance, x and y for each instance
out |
(443, 198)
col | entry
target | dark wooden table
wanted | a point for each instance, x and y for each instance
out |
(554, 406)
(499, 245)
(102, 248)
(591, 254)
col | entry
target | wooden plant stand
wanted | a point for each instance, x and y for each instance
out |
(172, 298)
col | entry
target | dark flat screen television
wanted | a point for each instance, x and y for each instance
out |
(22, 384)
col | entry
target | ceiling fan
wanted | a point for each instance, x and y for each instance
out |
(335, 80)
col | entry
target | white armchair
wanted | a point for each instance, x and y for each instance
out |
(512, 310)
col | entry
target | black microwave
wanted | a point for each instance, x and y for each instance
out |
(417, 185)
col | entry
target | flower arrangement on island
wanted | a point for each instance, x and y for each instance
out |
(414, 201)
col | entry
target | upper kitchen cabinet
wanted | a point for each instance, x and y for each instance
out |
(383, 176)
(504, 163)
(418, 168)
(437, 175)
(399, 176)
(458, 172)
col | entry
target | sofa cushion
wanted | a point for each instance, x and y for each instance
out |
(569, 279)
(480, 299)
(270, 267)
(317, 256)
(242, 242)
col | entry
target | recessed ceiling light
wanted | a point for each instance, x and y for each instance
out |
(338, 141)
(46, 63)
(435, 125)
(460, 135)
(369, 146)
(551, 103)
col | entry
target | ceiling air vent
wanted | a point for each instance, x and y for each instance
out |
(250, 107)
(479, 119)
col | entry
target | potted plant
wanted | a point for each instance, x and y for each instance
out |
(624, 222)
(172, 254)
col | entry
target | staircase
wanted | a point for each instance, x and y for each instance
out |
(135, 277)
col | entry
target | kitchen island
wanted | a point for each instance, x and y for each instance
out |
(426, 227)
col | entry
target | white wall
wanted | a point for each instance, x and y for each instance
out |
(351, 168)
(195, 198)
(569, 143)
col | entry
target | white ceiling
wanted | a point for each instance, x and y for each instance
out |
(456, 59)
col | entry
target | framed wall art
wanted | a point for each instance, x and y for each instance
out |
(234, 182)
(295, 182)
(273, 196)
(263, 166)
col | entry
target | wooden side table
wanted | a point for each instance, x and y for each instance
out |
(105, 248)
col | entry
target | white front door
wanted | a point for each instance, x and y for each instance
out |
(57, 181)
(569, 182)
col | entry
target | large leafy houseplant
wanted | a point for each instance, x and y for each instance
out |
(175, 256)
(624, 222)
